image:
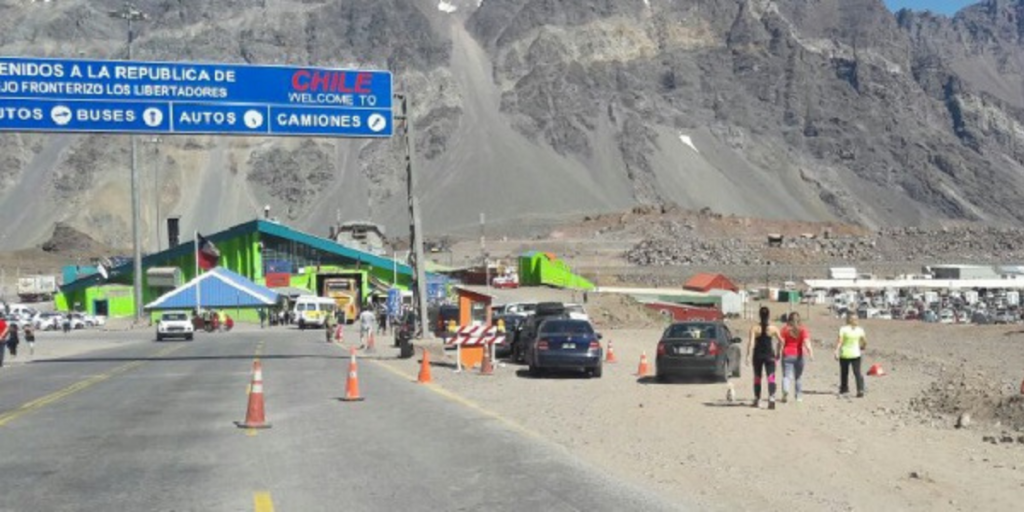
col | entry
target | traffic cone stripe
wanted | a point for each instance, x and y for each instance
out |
(352, 384)
(424, 376)
(254, 415)
(643, 369)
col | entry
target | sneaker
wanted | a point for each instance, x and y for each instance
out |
(771, 405)
(730, 396)
(799, 399)
(785, 397)
(755, 404)
(860, 394)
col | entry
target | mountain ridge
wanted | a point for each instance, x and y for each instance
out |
(536, 109)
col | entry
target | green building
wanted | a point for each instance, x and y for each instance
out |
(544, 269)
(266, 252)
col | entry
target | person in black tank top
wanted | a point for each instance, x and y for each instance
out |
(762, 353)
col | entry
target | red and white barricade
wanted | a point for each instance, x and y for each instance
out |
(475, 336)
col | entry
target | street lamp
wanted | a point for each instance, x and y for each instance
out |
(131, 14)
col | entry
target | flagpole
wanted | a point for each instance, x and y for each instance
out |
(199, 307)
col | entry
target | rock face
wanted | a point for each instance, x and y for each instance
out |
(836, 109)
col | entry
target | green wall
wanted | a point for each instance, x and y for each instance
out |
(539, 270)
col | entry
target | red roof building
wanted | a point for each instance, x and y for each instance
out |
(704, 282)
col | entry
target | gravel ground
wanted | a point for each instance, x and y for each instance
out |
(896, 449)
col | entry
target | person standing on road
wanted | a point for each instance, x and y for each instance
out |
(263, 317)
(367, 322)
(849, 348)
(13, 340)
(329, 325)
(796, 343)
(762, 353)
(3, 339)
(30, 338)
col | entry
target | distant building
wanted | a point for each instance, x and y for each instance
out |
(362, 236)
(705, 282)
(963, 272)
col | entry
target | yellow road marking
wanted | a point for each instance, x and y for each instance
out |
(56, 396)
(251, 432)
(465, 402)
(261, 502)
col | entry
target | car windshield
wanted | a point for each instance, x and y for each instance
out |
(175, 316)
(567, 327)
(691, 331)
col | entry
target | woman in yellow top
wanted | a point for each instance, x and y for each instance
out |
(849, 347)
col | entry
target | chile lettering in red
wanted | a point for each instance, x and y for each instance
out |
(305, 80)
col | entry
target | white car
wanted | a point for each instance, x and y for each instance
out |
(174, 325)
(577, 312)
(95, 320)
(47, 321)
(78, 321)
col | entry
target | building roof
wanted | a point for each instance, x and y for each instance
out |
(707, 281)
(254, 226)
(218, 288)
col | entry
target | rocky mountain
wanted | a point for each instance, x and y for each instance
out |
(528, 110)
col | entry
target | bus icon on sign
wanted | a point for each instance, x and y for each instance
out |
(61, 115)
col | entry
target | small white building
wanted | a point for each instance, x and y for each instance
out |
(842, 273)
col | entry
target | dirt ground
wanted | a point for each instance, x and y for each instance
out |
(896, 449)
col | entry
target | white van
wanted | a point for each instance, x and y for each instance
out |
(577, 312)
(312, 311)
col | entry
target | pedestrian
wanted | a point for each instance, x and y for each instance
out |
(13, 340)
(30, 338)
(366, 325)
(382, 322)
(222, 319)
(328, 325)
(66, 323)
(3, 339)
(850, 347)
(263, 317)
(796, 343)
(764, 355)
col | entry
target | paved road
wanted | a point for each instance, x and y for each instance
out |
(149, 426)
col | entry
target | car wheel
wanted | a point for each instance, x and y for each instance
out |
(159, 338)
(661, 377)
(596, 372)
(534, 371)
(188, 338)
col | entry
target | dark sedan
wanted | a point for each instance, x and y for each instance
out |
(565, 344)
(688, 349)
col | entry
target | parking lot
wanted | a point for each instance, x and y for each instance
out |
(827, 453)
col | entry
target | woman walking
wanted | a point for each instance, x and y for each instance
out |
(763, 355)
(12, 340)
(796, 343)
(30, 338)
(849, 348)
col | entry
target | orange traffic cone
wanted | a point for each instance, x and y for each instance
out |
(424, 377)
(487, 366)
(1022, 387)
(339, 334)
(610, 357)
(371, 344)
(352, 384)
(254, 414)
(643, 369)
(876, 370)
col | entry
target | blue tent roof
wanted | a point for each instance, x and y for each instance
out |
(218, 288)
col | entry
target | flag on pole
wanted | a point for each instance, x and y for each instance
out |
(207, 254)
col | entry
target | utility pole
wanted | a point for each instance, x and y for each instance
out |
(155, 141)
(130, 14)
(419, 296)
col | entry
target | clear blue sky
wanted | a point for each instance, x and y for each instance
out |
(940, 6)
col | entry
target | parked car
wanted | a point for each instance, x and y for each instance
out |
(513, 323)
(95, 321)
(521, 308)
(577, 312)
(688, 349)
(565, 344)
(174, 325)
(48, 321)
(527, 333)
(77, 321)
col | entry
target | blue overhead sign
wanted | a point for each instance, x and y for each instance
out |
(55, 95)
